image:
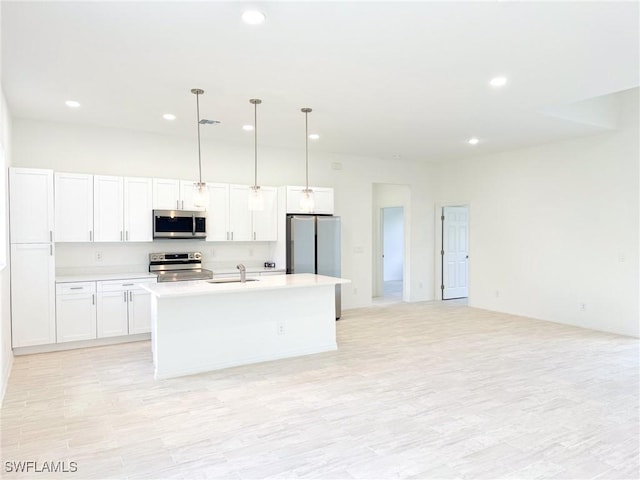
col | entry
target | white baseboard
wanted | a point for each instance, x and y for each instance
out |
(5, 378)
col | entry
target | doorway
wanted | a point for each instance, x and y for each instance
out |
(392, 234)
(454, 253)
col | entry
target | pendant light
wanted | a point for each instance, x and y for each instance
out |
(200, 190)
(307, 203)
(256, 201)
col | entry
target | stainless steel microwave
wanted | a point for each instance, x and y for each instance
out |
(179, 224)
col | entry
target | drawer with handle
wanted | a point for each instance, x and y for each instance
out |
(75, 288)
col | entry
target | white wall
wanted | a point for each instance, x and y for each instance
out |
(393, 244)
(76, 148)
(6, 356)
(556, 226)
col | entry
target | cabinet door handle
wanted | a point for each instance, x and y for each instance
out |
(51, 235)
(120, 235)
(90, 236)
(51, 249)
(183, 204)
(254, 235)
(177, 204)
(93, 299)
(125, 297)
(76, 288)
(126, 235)
(127, 284)
(231, 235)
(130, 296)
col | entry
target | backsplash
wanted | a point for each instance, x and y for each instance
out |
(78, 258)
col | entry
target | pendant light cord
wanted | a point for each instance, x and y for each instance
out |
(306, 143)
(198, 124)
(255, 145)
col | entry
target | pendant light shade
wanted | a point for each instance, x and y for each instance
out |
(307, 202)
(256, 200)
(200, 190)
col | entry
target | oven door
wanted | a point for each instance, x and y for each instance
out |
(179, 224)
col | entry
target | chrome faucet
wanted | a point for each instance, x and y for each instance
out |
(243, 272)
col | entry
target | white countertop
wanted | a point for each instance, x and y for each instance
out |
(271, 282)
(92, 277)
(234, 270)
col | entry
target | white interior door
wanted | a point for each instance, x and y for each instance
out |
(455, 252)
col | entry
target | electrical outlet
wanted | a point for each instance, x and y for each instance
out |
(281, 329)
(497, 293)
(583, 307)
(355, 291)
(251, 252)
(98, 256)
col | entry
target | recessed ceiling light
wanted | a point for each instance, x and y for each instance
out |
(72, 104)
(498, 81)
(473, 141)
(247, 128)
(253, 17)
(169, 116)
(314, 136)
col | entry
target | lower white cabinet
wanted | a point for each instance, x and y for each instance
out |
(123, 307)
(33, 294)
(75, 311)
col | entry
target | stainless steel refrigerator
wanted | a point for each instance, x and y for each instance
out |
(313, 246)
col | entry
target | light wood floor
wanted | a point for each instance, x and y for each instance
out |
(414, 391)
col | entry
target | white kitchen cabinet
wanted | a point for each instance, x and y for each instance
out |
(172, 194)
(33, 319)
(123, 307)
(245, 225)
(139, 309)
(108, 208)
(31, 205)
(240, 228)
(75, 311)
(218, 212)
(138, 207)
(265, 222)
(73, 207)
(322, 196)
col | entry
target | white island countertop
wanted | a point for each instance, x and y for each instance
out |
(275, 282)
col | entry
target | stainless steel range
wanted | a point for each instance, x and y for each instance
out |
(176, 267)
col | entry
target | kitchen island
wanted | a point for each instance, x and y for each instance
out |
(201, 326)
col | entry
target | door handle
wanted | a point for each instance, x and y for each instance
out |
(177, 204)
(120, 235)
(193, 225)
(93, 299)
(125, 297)
(183, 204)
(90, 235)
(51, 249)
(231, 235)
(126, 235)
(130, 296)
(76, 288)
(254, 235)
(51, 235)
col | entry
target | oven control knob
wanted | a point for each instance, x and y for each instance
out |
(197, 256)
(154, 258)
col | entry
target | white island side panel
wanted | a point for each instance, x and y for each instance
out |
(198, 333)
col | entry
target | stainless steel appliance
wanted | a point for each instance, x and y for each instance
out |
(175, 267)
(179, 224)
(313, 246)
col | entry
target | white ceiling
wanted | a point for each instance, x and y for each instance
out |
(385, 79)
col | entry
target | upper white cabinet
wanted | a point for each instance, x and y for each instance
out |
(323, 200)
(172, 194)
(265, 222)
(108, 208)
(138, 206)
(245, 225)
(74, 207)
(218, 212)
(166, 194)
(31, 205)
(240, 228)
(33, 319)
(122, 209)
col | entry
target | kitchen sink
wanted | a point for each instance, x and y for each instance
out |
(231, 280)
